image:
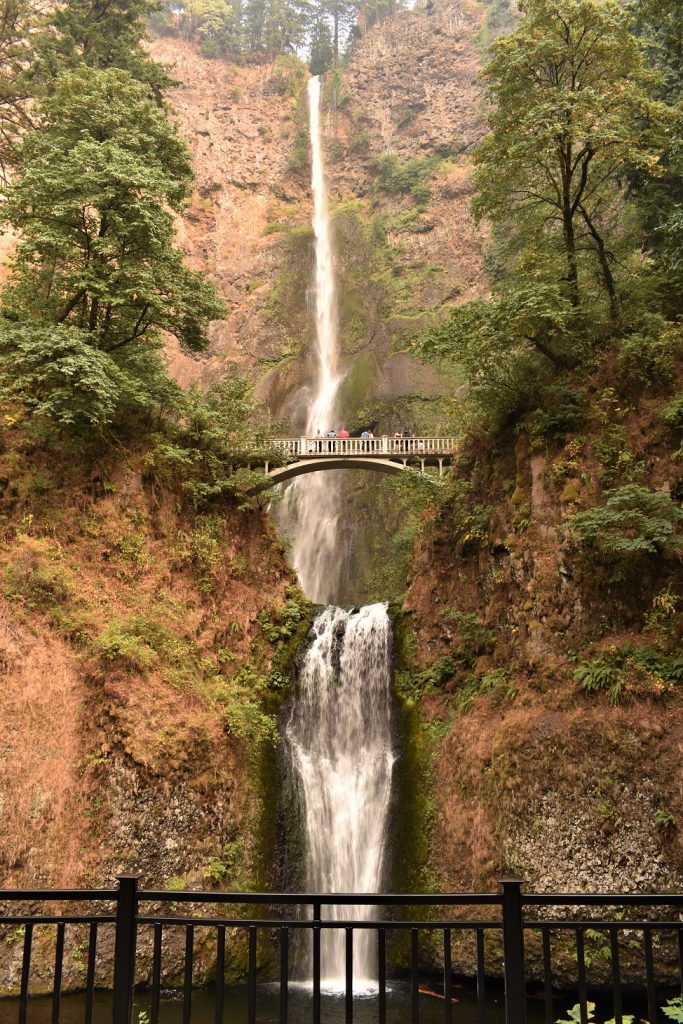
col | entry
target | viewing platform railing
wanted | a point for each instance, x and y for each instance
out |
(387, 446)
(138, 944)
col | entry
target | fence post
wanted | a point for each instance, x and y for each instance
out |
(513, 952)
(124, 948)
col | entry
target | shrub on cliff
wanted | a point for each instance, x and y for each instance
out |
(633, 521)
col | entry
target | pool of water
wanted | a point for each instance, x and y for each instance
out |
(333, 1007)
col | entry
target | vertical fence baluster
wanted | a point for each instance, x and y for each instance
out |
(447, 979)
(316, 963)
(382, 974)
(414, 979)
(650, 976)
(25, 971)
(513, 952)
(124, 949)
(156, 972)
(284, 974)
(59, 965)
(547, 977)
(220, 975)
(616, 974)
(251, 996)
(349, 975)
(481, 978)
(581, 975)
(680, 956)
(90, 976)
(187, 985)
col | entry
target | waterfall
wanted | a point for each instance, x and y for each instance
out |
(339, 738)
(311, 504)
(338, 734)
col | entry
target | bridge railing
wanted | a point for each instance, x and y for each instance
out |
(385, 445)
(139, 944)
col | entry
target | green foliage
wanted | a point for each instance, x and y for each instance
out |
(646, 357)
(502, 345)
(633, 521)
(228, 867)
(87, 33)
(474, 639)
(549, 171)
(97, 275)
(630, 667)
(127, 645)
(37, 579)
(664, 819)
(206, 451)
(18, 20)
(495, 682)
(283, 621)
(288, 76)
(674, 1009)
(298, 158)
(57, 374)
(469, 522)
(359, 141)
(408, 178)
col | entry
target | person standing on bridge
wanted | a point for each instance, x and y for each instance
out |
(331, 444)
(365, 438)
(344, 435)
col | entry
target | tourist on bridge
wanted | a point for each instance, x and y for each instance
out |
(331, 444)
(344, 436)
(365, 436)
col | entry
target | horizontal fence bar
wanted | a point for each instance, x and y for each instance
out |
(364, 899)
(325, 923)
(77, 895)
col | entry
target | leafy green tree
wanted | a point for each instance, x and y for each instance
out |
(503, 344)
(571, 110)
(99, 34)
(101, 178)
(97, 275)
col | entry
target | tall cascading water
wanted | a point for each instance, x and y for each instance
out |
(340, 742)
(338, 732)
(311, 504)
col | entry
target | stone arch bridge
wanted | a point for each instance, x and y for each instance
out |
(379, 455)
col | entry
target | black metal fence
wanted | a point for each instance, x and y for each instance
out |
(639, 947)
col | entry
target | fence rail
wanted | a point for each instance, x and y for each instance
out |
(117, 931)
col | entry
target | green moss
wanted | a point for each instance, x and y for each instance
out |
(357, 385)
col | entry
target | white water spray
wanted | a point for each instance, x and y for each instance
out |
(311, 505)
(339, 736)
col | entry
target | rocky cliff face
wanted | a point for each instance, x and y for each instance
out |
(570, 787)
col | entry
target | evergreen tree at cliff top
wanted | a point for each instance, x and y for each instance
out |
(97, 34)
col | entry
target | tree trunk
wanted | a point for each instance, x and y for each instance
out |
(603, 257)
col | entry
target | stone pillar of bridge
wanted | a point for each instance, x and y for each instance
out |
(440, 468)
(422, 467)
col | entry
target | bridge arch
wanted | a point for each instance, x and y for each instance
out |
(294, 469)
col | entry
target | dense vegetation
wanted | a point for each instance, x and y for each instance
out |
(260, 30)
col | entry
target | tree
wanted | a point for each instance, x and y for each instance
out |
(506, 345)
(18, 19)
(571, 110)
(99, 34)
(97, 275)
(99, 180)
(321, 49)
